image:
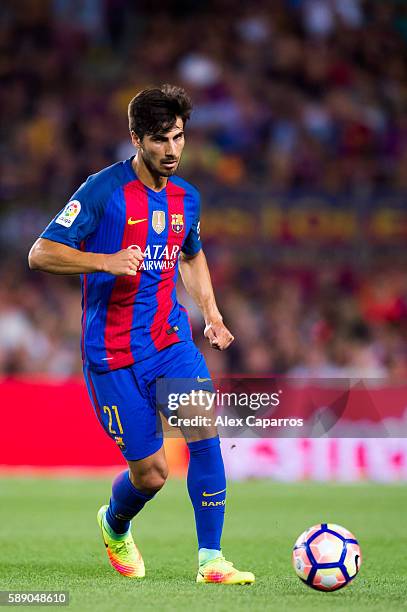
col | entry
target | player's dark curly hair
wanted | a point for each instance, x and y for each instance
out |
(155, 109)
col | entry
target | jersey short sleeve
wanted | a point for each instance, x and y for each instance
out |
(79, 218)
(193, 244)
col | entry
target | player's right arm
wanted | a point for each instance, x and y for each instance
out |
(57, 258)
(59, 248)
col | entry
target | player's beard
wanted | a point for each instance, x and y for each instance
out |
(158, 170)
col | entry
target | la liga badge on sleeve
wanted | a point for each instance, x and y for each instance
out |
(69, 214)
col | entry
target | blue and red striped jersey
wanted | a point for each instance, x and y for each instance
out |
(126, 319)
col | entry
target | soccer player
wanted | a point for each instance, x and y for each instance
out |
(127, 230)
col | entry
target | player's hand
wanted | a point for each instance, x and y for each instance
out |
(124, 262)
(218, 335)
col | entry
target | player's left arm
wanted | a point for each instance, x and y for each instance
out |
(197, 281)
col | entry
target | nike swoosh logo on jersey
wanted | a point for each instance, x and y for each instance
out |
(199, 379)
(132, 221)
(205, 494)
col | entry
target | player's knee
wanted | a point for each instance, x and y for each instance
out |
(156, 480)
(151, 480)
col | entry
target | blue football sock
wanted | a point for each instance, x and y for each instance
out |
(126, 501)
(207, 489)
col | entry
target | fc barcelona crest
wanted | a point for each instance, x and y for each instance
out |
(158, 221)
(177, 222)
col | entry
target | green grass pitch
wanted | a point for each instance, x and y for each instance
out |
(50, 540)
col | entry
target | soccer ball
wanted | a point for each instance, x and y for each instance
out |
(326, 557)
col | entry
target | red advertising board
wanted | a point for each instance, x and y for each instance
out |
(48, 424)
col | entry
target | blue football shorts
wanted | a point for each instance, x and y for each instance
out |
(125, 400)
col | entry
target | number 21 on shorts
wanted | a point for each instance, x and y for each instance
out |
(113, 413)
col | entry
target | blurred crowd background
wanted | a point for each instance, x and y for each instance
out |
(293, 98)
